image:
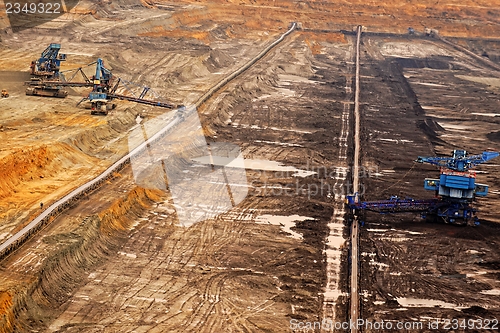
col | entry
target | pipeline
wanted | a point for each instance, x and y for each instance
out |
(70, 199)
(354, 300)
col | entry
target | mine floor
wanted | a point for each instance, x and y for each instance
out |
(119, 261)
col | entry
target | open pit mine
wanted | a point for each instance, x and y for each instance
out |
(249, 166)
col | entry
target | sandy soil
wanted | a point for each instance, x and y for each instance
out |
(239, 271)
(119, 261)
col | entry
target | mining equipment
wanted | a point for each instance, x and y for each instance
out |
(431, 32)
(455, 191)
(49, 81)
(41, 89)
(104, 91)
(45, 73)
(5, 93)
(49, 63)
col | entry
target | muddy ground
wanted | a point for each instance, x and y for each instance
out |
(440, 100)
(119, 261)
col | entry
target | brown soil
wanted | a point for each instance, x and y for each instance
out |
(404, 258)
(119, 262)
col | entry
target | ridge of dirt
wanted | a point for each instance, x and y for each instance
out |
(195, 19)
(44, 161)
(79, 252)
(31, 174)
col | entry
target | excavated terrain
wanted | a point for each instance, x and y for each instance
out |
(412, 270)
(239, 271)
(119, 260)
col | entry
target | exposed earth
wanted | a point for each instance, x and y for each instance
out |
(120, 259)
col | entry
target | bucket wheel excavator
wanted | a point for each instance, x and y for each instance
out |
(455, 191)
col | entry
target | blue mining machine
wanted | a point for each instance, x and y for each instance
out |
(49, 63)
(45, 73)
(48, 80)
(455, 191)
(104, 90)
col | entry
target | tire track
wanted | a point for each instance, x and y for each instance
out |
(13, 243)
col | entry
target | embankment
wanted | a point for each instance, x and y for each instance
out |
(30, 307)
